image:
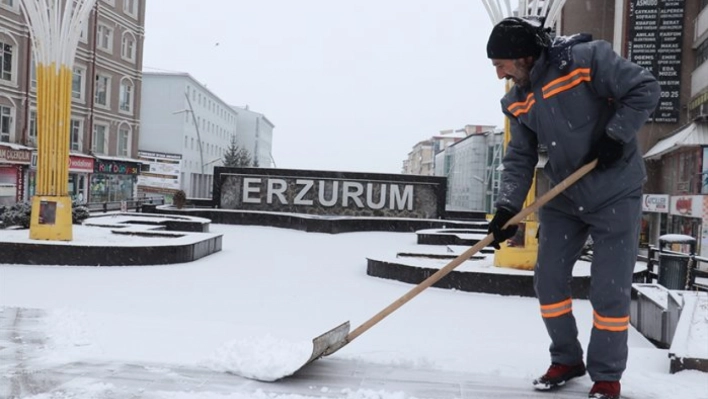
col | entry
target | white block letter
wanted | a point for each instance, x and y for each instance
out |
(306, 189)
(249, 189)
(370, 194)
(354, 191)
(273, 191)
(400, 202)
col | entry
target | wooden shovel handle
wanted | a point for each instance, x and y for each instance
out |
(559, 188)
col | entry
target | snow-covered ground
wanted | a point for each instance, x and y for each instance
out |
(275, 289)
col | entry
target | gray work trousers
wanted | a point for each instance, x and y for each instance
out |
(564, 230)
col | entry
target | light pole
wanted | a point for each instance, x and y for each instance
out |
(199, 136)
(55, 29)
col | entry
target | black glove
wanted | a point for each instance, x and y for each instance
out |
(502, 216)
(607, 151)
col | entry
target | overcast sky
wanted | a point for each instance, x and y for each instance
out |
(349, 85)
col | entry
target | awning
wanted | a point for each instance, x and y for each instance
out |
(693, 135)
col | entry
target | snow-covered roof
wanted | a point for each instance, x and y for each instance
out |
(119, 159)
(17, 146)
(695, 134)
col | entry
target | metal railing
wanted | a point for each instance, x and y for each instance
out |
(133, 204)
(697, 268)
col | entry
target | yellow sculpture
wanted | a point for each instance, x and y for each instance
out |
(55, 28)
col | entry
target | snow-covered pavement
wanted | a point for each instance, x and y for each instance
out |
(169, 331)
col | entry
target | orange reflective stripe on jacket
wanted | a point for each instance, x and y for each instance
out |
(566, 82)
(610, 323)
(522, 107)
(557, 309)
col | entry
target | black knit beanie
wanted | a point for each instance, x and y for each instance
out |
(515, 37)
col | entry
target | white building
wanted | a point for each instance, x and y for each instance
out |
(255, 135)
(182, 117)
(471, 166)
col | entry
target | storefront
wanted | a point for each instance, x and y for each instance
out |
(655, 210)
(114, 179)
(14, 161)
(687, 216)
(80, 169)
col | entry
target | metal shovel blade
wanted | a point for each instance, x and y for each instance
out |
(328, 343)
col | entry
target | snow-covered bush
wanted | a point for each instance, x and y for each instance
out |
(17, 215)
(79, 212)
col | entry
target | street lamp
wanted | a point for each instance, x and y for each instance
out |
(199, 136)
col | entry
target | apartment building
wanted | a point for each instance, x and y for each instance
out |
(105, 116)
(184, 121)
(669, 39)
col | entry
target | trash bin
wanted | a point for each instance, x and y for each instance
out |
(677, 243)
(673, 271)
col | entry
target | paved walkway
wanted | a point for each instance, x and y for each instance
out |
(24, 373)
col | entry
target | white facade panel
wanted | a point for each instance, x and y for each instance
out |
(699, 79)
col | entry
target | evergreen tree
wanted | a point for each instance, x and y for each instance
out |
(236, 156)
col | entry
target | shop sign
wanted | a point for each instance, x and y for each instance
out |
(80, 164)
(687, 205)
(16, 156)
(20, 183)
(116, 168)
(656, 203)
(76, 164)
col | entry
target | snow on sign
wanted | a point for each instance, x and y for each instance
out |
(330, 193)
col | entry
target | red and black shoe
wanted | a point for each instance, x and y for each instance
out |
(557, 375)
(605, 390)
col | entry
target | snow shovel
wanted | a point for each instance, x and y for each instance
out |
(336, 338)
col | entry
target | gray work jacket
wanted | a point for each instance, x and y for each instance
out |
(579, 90)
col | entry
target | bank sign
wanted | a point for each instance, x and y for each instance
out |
(330, 193)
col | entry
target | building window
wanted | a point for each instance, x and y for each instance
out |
(130, 7)
(103, 90)
(126, 96)
(124, 141)
(100, 139)
(83, 37)
(5, 124)
(76, 134)
(127, 50)
(78, 83)
(105, 38)
(33, 127)
(10, 4)
(33, 73)
(702, 53)
(6, 61)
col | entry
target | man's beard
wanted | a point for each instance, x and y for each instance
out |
(523, 82)
(524, 68)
